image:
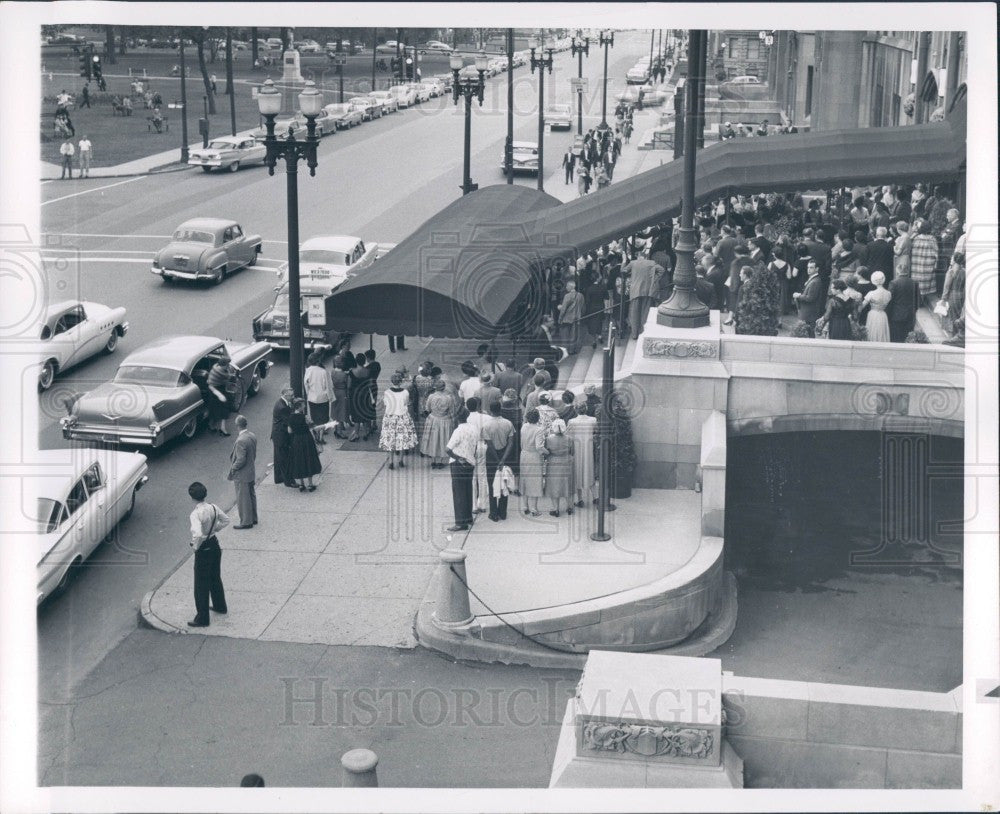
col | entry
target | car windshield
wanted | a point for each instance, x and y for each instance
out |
(146, 374)
(526, 150)
(47, 512)
(323, 256)
(220, 145)
(194, 236)
(281, 301)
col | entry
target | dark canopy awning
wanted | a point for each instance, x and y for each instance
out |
(474, 269)
(464, 273)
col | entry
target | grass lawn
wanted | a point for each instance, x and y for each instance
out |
(118, 139)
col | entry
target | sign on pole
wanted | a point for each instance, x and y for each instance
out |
(578, 84)
(316, 311)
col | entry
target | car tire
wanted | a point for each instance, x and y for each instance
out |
(219, 276)
(253, 258)
(131, 507)
(206, 169)
(241, 397)
(255, 381)
(68, 575)
(112, 344)
(234, 166)
(46, 376)
(191, 428)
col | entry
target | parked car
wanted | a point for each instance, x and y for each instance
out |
(344, 115)
(227, 153)
(638, 75)
(160, 391)
(444, 80)
(435, 46)
(79, 500)
(274, 43)
(651, 96)
(385, 100)
(370, 109)
(404, 94)
(387, 47)
(308, 47)
(73, 331)
(324, 264)
(742, 80)
(559, 117)
(497, 65)
(206, 249)
(421, 92)
(436, 86)
(525, 157)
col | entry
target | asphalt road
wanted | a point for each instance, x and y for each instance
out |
(379, 182)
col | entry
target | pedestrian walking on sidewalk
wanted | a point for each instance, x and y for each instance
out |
(568, 162)
(243, 473)
(462, 451)
(86, 151)
(279, 436)
(206, 520)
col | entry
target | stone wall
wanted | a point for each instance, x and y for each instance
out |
(794, 734)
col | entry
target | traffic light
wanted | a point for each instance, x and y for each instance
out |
(409, 67)
(85, 64)
(96, 67)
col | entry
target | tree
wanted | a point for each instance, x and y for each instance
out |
(253, 45)
(200, 36)
(758, 307)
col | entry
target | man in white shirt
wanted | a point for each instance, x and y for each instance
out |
(462, 451)
(67, 151)
(206, 520)
(471, 384)
(86, 150)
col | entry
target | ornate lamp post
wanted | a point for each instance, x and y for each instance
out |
(579, 49)
(684, 309)
(470, 89)
(607, 40)
(292, 150)
(541, 63)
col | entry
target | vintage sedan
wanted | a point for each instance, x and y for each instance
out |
(638, 75)
(228, 153)
(334, 257)
(308, 47)
(405, 96)
(385, 100)
(298, 126)
(559, 117)
(421, 92)
(525, 157)
(435, 47)
(160, 391)
(76, 504)
(206, 249)
(344, 115)
(651, 96)
(73, 331)
(370, 109)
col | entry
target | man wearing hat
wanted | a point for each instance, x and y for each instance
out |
(570, 314)
(280, 437)
(488, 393)
(644, 277)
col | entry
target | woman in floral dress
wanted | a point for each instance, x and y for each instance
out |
(397, 425)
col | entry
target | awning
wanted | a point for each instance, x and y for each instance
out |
(471, 271)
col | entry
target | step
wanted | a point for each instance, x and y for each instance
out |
(625, 367)
(930, 324)
(595, 371)
(580, 364)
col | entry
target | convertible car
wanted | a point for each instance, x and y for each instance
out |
(160, 390)
(74, 331)
(76, 504)
(206, 249)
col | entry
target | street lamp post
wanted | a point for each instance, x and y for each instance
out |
(541, 63)
(684, 309)
(607, 42)
(470, 89)
(508, 153)
(292, 150)
(184, 110)
(339, 61)
(579, 49)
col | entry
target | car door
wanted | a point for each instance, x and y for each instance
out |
(236, 248)
(253, 150)
(68, 335)
(100, 508)
(91, 337)
(75, 541)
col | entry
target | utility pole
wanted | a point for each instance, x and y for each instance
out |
(509, 145)
(229, 80)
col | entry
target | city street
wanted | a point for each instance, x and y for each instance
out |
(378, 182)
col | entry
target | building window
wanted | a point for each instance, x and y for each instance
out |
(753, 49)
(734, 50)
(809, 90)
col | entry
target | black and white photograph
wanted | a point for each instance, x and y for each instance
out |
(498, 407)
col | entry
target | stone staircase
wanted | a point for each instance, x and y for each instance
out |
(586, 367)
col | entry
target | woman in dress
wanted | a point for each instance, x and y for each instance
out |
(438, 426)
(303, 459)
(398, 434)
(220, 378)
(782, 271)
(581, 431)
(319, 393)
(875, 304)
(546, 413)
(847, 261)
(338, 381)
(423, 386)
(358, 394)
(559, 468)
(902, 249)
(532, 459)
(837, 317)
(924, 258)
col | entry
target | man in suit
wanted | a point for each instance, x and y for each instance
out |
(902, 310)
(569, 161)
(243, 474)
(725, 249)
(644, 276)
(811, 301)
(880, 255)
(819, 252)
(509, 378)
(570, 314)
(280, 437)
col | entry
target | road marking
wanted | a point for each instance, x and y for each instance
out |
(95, 189)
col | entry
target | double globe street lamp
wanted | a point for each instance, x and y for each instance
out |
(471, 88)
(580, 49)
(541, 62)
(607, 40)
(292, 151)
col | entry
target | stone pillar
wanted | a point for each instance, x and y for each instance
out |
(646, 721)
(359, 768)
(452, 610)
(837, 78)
(290, 67)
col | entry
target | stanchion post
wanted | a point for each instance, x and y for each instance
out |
(359, 768)
(452, 609)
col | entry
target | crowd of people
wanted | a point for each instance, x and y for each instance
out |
(593, 161)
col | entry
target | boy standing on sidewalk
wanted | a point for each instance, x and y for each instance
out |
(86, 150)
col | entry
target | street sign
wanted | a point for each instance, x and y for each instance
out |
(316, 311)
(578, 83)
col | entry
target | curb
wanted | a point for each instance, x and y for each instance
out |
(162, 170)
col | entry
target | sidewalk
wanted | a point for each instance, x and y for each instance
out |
(167, 161)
